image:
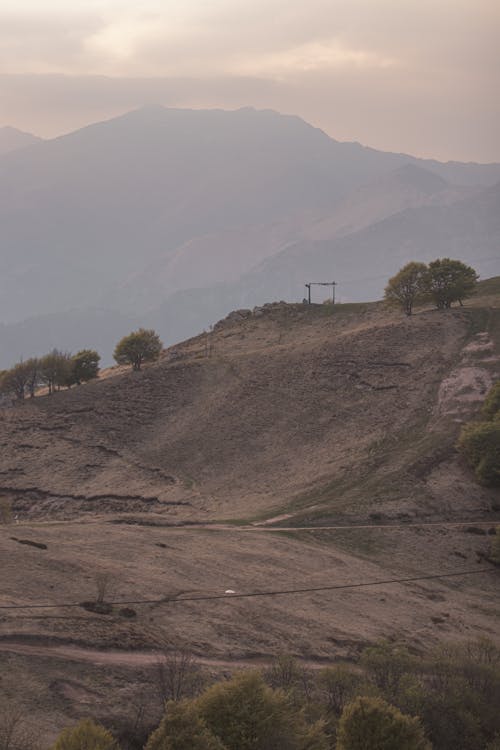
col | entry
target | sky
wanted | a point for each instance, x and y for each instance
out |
(419, 76)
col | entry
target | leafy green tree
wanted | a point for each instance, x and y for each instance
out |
(246, 714)
(373, 724)
(85, 736)
(183, 729)
(407, 287)
(449, 281)
(138, 347)
(84, 366)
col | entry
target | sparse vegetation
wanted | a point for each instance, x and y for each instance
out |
(138, 347)
(479, 442)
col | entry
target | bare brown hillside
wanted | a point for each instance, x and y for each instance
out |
(199, 474)
(291, 407)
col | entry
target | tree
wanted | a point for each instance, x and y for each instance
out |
(449, 281)
(85, 736)
(16, 380)
(138, 347)
(84, 366)
(407, 286)
(246, 714)
(373, 724)
(182, 728)
(55, 369)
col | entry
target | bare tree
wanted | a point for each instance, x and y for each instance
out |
(178, 675)
(15, 733)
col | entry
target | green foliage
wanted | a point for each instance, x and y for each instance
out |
(491, 405)
(373, 724)
(407, 287)
(183, 729)
(479, 442)
(449, 281)
(85, 736)
(138, 347)
(84, 366)
(248, 715)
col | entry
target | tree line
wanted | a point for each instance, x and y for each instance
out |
(59, 369)
(390, 698)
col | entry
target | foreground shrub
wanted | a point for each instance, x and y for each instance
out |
(373, 724)
(183, 729)
(85, 736)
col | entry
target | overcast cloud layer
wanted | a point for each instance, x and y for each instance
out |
(411, 75)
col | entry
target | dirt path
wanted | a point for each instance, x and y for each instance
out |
(131, 659)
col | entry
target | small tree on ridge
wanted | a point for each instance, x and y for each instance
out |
(138, 347)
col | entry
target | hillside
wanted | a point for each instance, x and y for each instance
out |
(129, 216)
(293, 447)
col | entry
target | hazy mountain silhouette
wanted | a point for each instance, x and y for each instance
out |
(243, 206)
(12, 139)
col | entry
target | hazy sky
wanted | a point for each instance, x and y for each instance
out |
(420, 76)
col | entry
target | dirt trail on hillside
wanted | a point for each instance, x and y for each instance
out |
(134, 659)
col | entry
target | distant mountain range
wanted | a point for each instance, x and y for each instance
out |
(12, 139)
(172, 218)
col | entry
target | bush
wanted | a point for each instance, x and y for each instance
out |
(480, 444)
(373, 724)
(85, 736)
(183, 729)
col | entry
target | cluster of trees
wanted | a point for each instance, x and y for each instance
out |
(455, 692)
(479, 441)
(62, 370)
(443, 282)
(55, 370)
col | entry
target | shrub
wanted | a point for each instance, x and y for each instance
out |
(183, 729)
(373, 724)
(480, 444)
(85, 736)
